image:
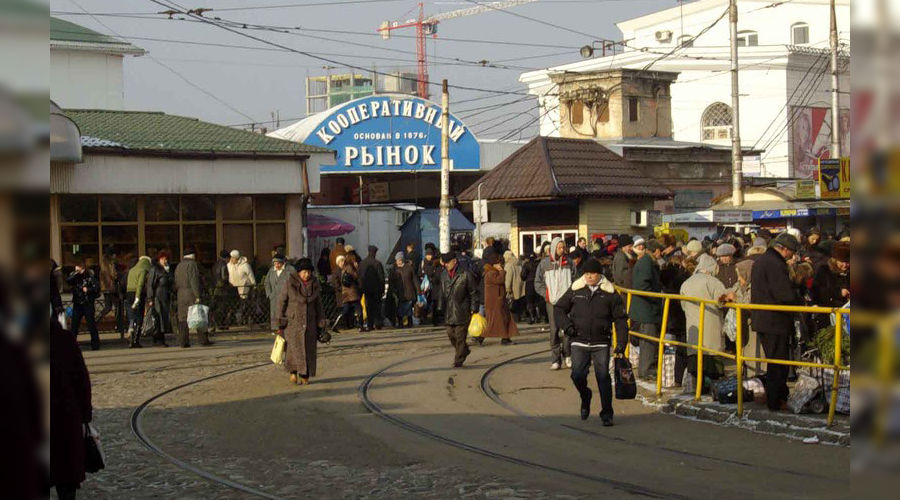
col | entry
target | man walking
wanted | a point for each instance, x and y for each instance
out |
(109, 279)
(406, 285)
(84, 292)
(457, 300)
(135, 299)
(187, 291)
(646, 312)
(623, 261)
(553, 262)
(371, 275)
(586, 313)
(770, 283)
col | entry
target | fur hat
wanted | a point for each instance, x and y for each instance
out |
(447, 257)
(787, 241)
(625, 240)
(638, 240)
(841, 251)
(593, 266)
(278, 258)
(694, 246)
(399, 256)
(725, 250)
(305, 264)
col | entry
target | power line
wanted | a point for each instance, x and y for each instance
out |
(545, 23)
(325, 59)
(174, 72)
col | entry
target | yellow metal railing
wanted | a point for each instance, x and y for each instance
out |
(738, 357)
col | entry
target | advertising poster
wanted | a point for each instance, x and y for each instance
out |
(811, 138)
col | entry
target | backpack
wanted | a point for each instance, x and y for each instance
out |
(347, 280)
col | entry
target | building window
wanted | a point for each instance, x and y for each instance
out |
(800, 34)
(576, 114)
(716, 122)
(632, 109)
(747, 39)
(686, 41)
(603, 113)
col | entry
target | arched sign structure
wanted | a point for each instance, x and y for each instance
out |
(391, 133)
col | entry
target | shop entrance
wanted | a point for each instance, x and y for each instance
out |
(529, 240)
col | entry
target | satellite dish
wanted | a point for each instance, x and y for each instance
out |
(587, 51)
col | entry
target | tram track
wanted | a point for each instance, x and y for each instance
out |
(364, 391)
(137, 415)
(492, 394)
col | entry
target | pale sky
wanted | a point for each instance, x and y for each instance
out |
(257, 82)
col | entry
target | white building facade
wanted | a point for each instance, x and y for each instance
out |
(785, 82)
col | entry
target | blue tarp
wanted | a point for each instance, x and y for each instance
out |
(424, 227)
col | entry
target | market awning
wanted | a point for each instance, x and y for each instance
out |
(323, 226)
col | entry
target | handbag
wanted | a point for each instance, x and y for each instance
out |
(151, 323)
(323, 336)
(626, 387)
(94, 459)
(277, 355)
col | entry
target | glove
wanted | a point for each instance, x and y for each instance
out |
(571, 332)
(620, 349)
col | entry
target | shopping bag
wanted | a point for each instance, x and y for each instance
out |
(626, 387)
(362, 303)
(150, 327)
(426, 284)
(277, 355)
(558, 282)
(94, 458)
(198, 316)
(477, 325)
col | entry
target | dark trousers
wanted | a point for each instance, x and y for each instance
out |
(66, 491)
(85, 311)
(350, 310)
(649, 350)
(373, 311)
(184, 335)
(776, 346)
(582, 357)
(135, 317)
(559, 344)
(112, 301)
(457, 334)
(404, 311)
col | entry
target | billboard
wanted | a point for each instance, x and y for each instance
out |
(834, 178)
(391, 133)
(811, 138)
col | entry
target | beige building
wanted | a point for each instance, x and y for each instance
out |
(555, 187)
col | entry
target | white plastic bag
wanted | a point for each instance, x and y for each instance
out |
(804, 391)
(278, 349)
(198, 317)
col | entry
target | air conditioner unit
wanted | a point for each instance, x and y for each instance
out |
(640, 218)
(664, 36)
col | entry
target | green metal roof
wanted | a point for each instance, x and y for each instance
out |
(149, 131)
(64, 31)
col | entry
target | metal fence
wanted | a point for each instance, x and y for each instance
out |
(739, 358)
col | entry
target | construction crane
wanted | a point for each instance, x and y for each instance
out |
(428, 26)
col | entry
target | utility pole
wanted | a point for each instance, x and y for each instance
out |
(477, 213)
(737, 161)
(835, 94)
(445, 168)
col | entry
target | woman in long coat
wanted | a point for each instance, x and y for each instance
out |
(300, 314)
(499, 319)
(704, 284)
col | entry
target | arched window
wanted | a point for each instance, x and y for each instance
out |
(799, 33)
(576, 115)
(715, 124)
(686, 41)
(748, 38)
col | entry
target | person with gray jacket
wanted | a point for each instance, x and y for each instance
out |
(188, 285)
(556, 260)
(275, 279)
(623, 261)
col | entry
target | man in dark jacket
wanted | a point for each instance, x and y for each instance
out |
(158, 290)
(576, 262)
(646, 312)
(224, 295)
(188, 292)
(457, 300)
(431, 269)
(623, 261)
(85, 289)
(770, 283)
(587, 316)
(406, 287)
(371, 274)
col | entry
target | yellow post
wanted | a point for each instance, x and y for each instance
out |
(662, 337)
(628, 322)
(838, 330)
(699, 391)
(739, 360)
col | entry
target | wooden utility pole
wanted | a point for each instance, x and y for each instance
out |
(445, 168)
(835, 94)
(737, 161)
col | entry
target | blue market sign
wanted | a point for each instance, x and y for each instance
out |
(791, 213)
(390, 133)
